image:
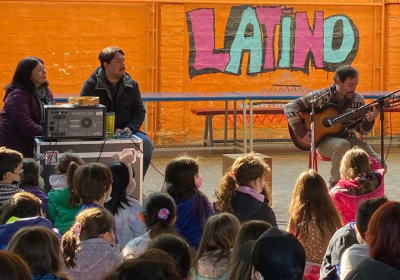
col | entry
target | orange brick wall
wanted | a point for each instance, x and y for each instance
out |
(69, 35)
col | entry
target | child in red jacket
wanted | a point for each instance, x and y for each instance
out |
(358, 183)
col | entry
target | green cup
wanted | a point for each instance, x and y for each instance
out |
(110, 124)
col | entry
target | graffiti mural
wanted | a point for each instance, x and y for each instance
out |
(328, 43)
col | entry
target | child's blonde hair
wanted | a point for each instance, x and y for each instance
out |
(355, 165)
(245, 169)
(90, 223)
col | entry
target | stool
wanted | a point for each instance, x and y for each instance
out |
(318, 155)
(229, 159)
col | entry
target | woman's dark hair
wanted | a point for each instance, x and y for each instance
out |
(40, 248)
(120, 182)
(179, 181)
(20, 205)
(94, 222)
(31, 172)
(23, 73)
(154, 264)
(151, 207)
(13, 267)
(250, 230)
(177, 249)
(383, 234)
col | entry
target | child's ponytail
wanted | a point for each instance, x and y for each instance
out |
(90, 223)
(73, 197)
(244, 170)
(159, 212)
(70, 245)
(225, 191)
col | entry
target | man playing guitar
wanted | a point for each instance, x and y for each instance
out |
(341, 93)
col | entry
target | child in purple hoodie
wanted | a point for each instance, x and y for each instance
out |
(183, 183)
(30, 182)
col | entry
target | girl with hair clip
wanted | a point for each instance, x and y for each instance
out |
(126, 209)
(13, 267)
(215, 252)
(242, 190)
(63, 206)
(313, 219)
(39, 247)
(183, 183)
(30, 182)
(89, 247)
(358, 183)
(250, 230)
(91, 185)
(159, 215)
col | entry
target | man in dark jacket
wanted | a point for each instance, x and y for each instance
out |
(120, 94)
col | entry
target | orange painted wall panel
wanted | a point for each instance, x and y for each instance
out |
(69, 35)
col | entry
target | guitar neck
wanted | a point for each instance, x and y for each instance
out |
(359, 112)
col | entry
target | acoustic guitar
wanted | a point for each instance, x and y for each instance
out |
(330, 121)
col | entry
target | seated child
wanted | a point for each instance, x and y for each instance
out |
(346, 236)
(62, 206)
(89, 247)
(313, 219)
(13, 267)
(276, 254)
(39, 247)
(10, 173)
(357, 183)
(159, 212)
(22, 210)
(215, 252)
(153, 264)
(183, 183)
(242, 190)
(126, 209)
(30, 182)
(92, 185)
(250, 230)
(177, 249)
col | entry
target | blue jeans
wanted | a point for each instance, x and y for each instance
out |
(147, 150)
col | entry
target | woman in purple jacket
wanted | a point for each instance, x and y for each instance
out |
(23, 106)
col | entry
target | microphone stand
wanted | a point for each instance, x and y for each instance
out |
(381, 104)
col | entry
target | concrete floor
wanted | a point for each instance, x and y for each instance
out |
(288, 162)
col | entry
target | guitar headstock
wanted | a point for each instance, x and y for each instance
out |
(392, 102)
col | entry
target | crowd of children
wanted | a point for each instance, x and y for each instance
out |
(89, 227)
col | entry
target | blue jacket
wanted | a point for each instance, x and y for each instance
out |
(189, 222)
(7, 231)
